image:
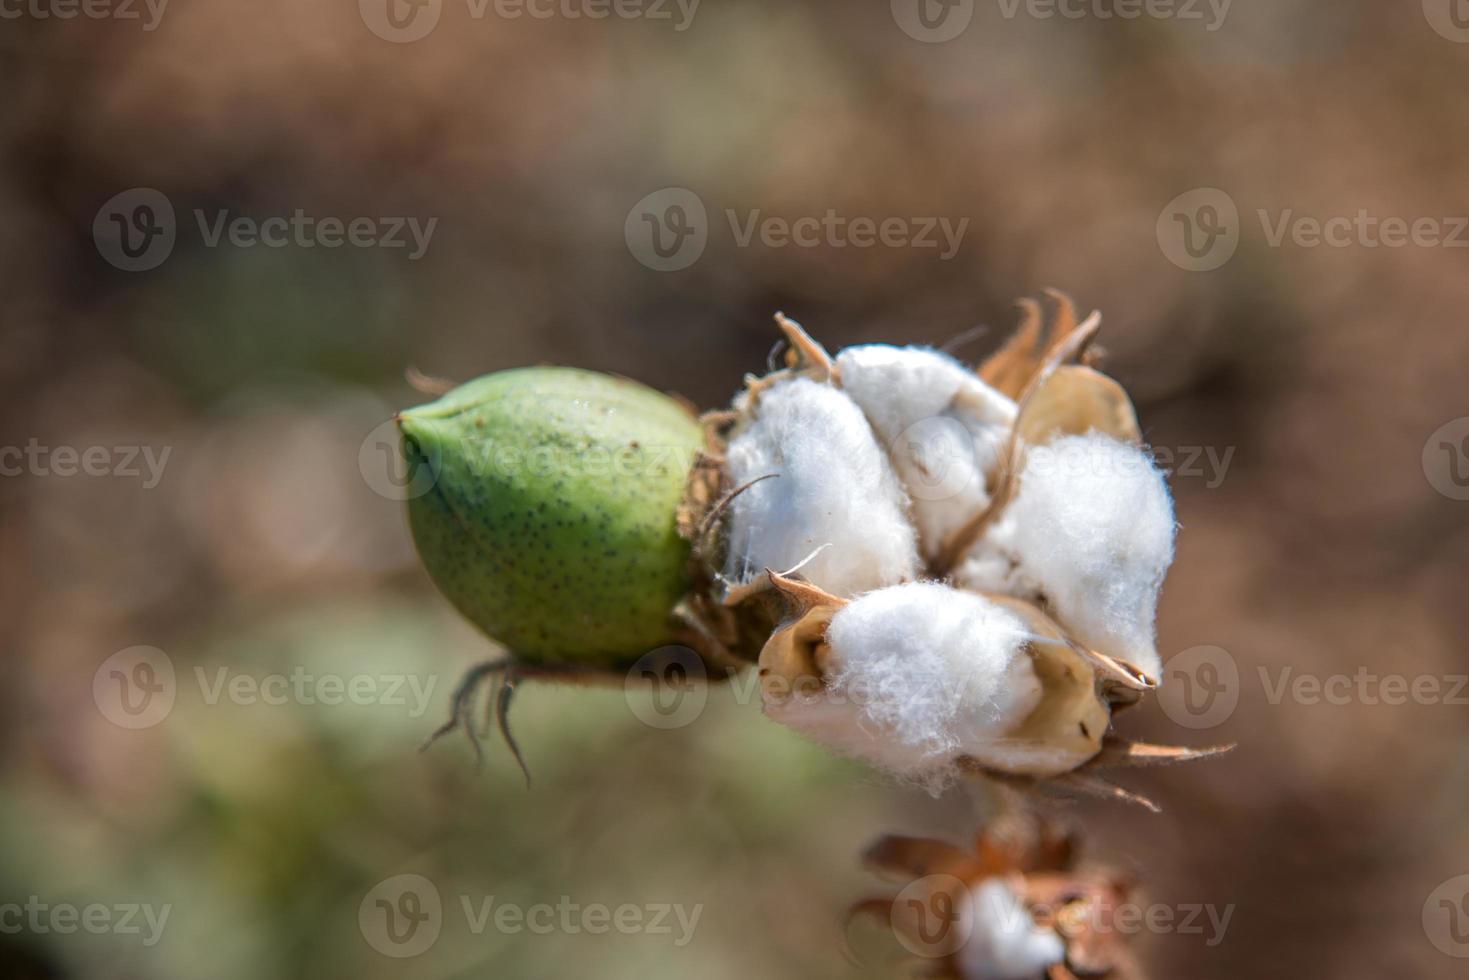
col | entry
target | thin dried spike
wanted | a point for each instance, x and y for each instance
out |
(959, 340)
(488, 718)
(1096, 786)
(427, 384)
(467, 723)
(719, 417)
(1065, 321)
(1007, 368)
(502, 717)
(808, 350)
(964, 538)
(724, 502)
(772, 362)
(708, 644)
(459, 701)
(1124, 753)
(737, 594)
(755, 386)
(1118, 677)
(801, 592)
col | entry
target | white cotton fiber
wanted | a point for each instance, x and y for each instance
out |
(917, 675)
(1090, 532)
(1005, 942)
(943, 427)
(834, 490)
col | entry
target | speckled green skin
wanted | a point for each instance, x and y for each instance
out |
(550, 523)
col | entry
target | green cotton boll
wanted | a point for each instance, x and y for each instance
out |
(550, 510)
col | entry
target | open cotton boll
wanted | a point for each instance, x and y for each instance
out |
(943, 427)
(915, 676)
(1091, 531)
(834, 490)
(1005, 942)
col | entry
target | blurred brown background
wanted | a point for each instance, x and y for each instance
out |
(1330, 544)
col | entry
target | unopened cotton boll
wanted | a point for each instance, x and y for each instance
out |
(1005, 942)
(834, 498)
(1090, 532)
(914, 676)
(943, 427)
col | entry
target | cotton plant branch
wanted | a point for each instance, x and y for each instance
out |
(948, 572)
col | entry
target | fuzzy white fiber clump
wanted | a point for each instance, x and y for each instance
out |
(1091, 531)
(917, 674)
(943, 427)
(1006, 943)
(834, 490)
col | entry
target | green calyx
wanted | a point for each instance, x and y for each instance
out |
(547, 510)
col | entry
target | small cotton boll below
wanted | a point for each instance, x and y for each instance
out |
(1091, 530)
(834, 490)
(1005, 942)
(917, 675)
(943, 427)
